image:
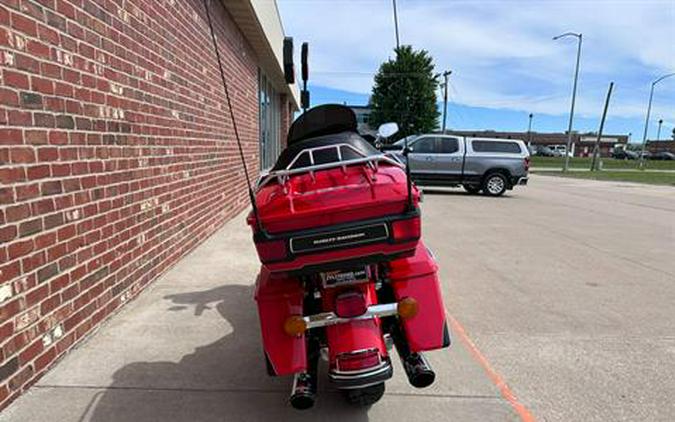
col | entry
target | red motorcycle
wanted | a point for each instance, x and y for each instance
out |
(344, 272)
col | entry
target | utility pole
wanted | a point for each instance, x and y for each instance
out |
(574, 96)
(596, 148)
(398, 44)
(649, 109)
(529, 132)
(445, 97)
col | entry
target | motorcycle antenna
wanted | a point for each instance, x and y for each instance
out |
(408, 177)
(234, 121)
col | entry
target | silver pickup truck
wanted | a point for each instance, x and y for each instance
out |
(478, 164)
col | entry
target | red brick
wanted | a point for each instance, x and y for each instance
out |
(24, 25)
(6, 195)
(11, 308)
(42, 206)
(19, 118)
(9, 271)
(7, 233)
(11, 136)
(12, 175)
(45, 359)
(44, 120)
(31, 100)
(20, 248)
(30, 227)
(9, 97)
(25, 192)
(22, 155)
(17, 212)
(41, 85)
(31, 352)
(37, 172)
(15, 79)
(51, 188)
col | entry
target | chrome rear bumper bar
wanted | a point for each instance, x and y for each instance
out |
(361, 379)
(330, 318)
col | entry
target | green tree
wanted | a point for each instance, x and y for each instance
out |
(674, 134)
(405, 93)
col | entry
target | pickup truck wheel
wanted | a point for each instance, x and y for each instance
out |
(471, 189)
(494, 184)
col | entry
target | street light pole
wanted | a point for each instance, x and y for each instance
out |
(649, 110)
(396, 24)
(658, 132)
(445, 97)
(529, 132)
(574, 96)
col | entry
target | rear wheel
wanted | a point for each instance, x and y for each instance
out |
(471, 189)
(366, 396)
(494, 184)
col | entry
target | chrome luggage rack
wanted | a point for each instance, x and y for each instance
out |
(283, 175)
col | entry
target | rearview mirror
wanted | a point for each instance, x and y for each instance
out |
(387, 129)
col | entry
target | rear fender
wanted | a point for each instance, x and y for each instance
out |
(354, 336)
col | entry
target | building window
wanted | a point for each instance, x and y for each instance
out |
(270, 114)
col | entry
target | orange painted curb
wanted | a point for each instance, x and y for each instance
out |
(496, 379)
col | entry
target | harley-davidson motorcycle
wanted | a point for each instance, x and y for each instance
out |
(344, 275)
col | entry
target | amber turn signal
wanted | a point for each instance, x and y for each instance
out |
(295, 325)
(407, 308)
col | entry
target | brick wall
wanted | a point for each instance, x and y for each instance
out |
(116, 158)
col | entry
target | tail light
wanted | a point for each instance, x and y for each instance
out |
(408, 229)
(526, 163)
(271, 251)
(295, 325)
(350, 304)
(407, 308)
(358, 361)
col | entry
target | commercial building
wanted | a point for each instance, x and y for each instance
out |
(582, 143)
(117, 154)
(655, 146)
(362, 118)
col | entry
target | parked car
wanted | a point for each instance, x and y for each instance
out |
(478, 164)
(560, 150)
(623, 154)
(646, 155)
(544, 151)
(663, 155)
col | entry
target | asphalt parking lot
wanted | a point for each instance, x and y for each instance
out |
(561, 296)
(567, 288)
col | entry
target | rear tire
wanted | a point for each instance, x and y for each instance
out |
(494, 184)
(473, 190)
(366, 396)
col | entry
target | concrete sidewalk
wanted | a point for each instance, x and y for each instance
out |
(188, 349)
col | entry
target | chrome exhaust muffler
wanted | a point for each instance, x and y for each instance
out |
(418, 370)
(303, 394)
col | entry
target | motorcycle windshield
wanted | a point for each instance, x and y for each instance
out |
(320, 121)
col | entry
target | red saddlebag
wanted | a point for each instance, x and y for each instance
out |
(279, 297)
(416, 277)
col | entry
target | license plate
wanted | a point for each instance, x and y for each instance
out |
(343, 277)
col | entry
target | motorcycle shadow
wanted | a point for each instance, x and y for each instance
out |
(222, 381)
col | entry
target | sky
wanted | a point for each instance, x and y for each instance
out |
(504, 62)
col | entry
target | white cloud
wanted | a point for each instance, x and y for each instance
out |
(501, 52)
